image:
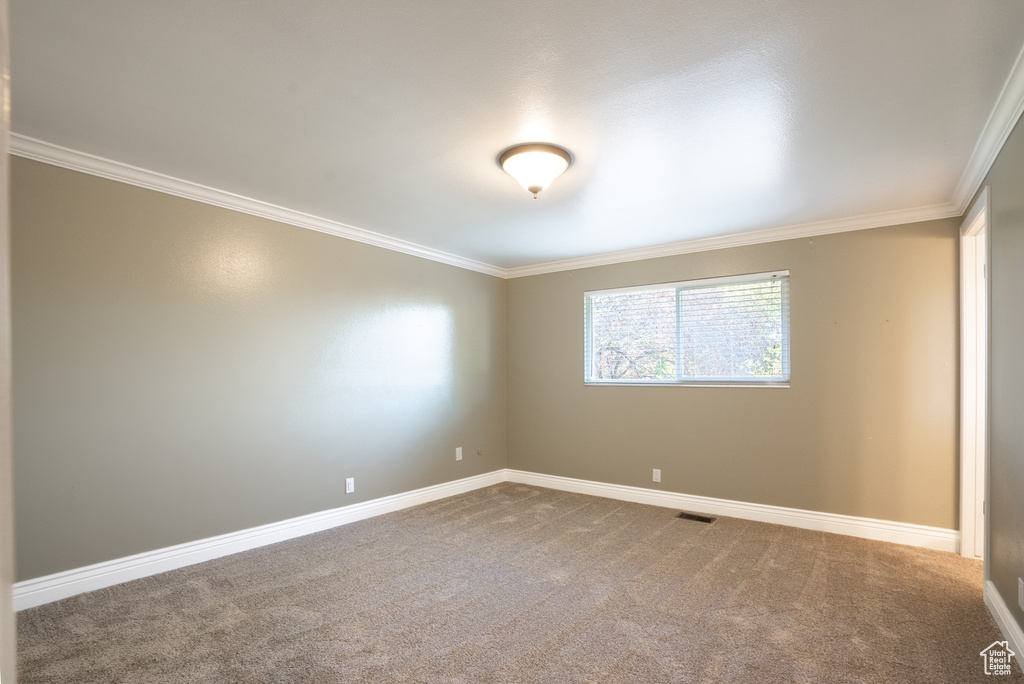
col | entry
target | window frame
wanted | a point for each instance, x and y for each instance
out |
(690, 284)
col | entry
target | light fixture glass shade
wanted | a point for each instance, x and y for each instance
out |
(535, 165)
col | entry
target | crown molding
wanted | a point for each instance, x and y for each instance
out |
(39, 150)
(1005, 114)
(1004, 117)
(802, 230)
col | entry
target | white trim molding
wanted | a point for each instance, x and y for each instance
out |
(754, 237)
(42, 151)
(937, 538)
(61, 585)
(64, 157)
(1005, 114)
(35, 592)
(1004, 619)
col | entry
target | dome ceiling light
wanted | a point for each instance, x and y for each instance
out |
(535, 165)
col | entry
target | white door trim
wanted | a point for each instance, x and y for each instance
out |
(973, 375)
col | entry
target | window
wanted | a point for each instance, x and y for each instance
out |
(732, 330)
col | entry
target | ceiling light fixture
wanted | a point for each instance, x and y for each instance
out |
(535, 165)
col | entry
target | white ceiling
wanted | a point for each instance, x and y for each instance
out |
(687, 120)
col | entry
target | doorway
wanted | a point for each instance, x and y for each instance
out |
(974, 376)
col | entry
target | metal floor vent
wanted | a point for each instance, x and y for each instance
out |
(696, 517)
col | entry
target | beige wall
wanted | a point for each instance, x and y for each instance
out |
(1006, 450)
(182, 371)
(868, 427)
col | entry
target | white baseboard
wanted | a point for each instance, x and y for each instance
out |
(1004, 618)
(61, 585)
(881, 530)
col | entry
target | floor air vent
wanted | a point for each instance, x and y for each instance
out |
(696, 517)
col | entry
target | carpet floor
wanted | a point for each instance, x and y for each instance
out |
(514, 583)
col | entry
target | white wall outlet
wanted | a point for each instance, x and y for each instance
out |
(1020, 593)
(350, 485)
(657, 474)
(458, 453)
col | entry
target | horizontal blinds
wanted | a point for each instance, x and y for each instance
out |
(633, 335)
(723, 329)
(734, 331)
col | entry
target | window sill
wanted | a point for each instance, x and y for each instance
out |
(759, 385)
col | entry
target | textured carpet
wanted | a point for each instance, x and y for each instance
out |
(521, 584)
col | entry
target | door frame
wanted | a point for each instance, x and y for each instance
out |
(974, 334)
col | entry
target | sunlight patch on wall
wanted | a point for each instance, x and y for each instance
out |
(232, 267)
(384, 378)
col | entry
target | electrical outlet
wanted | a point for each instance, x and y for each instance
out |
(1020, 593)
(458, 453)
(350, 485)
(657, 474)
